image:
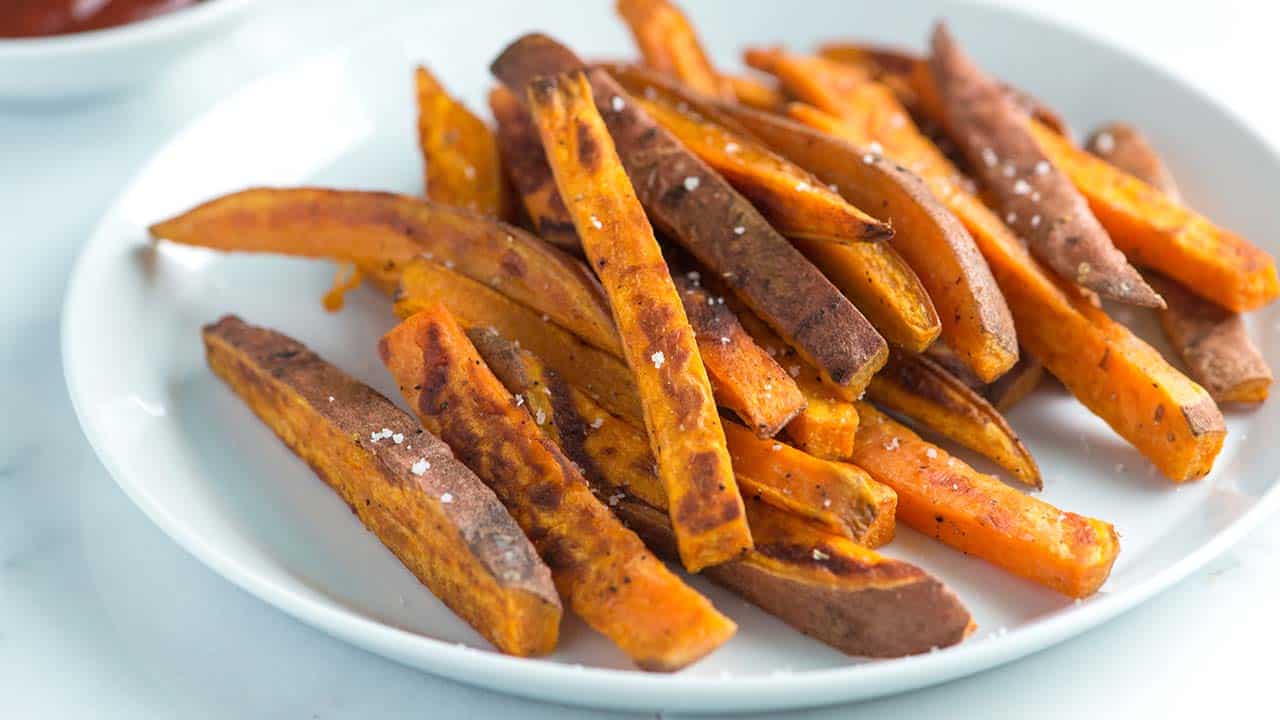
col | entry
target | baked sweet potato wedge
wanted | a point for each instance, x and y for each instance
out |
(974, 317)
(601, 569)
(1037, 201)
(669, 45)
(923, 391)
(526, 166)
(753, 92)
(1169, 418)
(404, 484)
(1157, 232)
(719, 227)
(825, 585)
(839, 498)
(1211, 340)
(1214, 345)
(657, 341)
(459, 152)
(744, 377)
(381, 232)
(791, 199)
(424, 283)
(977, 514)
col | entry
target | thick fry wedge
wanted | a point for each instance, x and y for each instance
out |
(975, 319)
(699, 209)
(459, 152)
(823, 584)
(1214, 345)
(669, 45)
(602, 569)
(1212, 340)
(1037, 201)
(427, 508)
(839, 498)
(381, 232)
(657, 341)
(744, 377)
(424, 283)
(1169, 418)
(922, 390)
(791, 199)
(1162, 234)
(755, 93)
(977, 514)
(526, 166)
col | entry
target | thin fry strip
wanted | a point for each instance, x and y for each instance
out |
(443, 523)
(381, 232)
(600, 568)
(1169, 418)
(459, 152)
(839, 498)
(977, 514)
(699, 209)
(669, 45)
(606, 377)
(657, 341)
(920, 389)
(526, 165)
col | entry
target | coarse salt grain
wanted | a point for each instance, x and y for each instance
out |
(540, 417)
(420, 467)
(731, 147)
(1011, 218)
(694, 276)
(869, 159)
(330, 398)
(989, 157)
(875, 147)
(803, 186)
(519, 399)
(446, 498)
(469, 171)
(595, 424)
(892, 443)
(691, 183)
(1105, 143)
(826, 502)
(794, 371)
(776, 447)
(658, 358)
(725, 340)
(449, 264)
(738, 230)
(1035, 221)
(1042, 167)
(1009, 170)
(931, 453)
(1021, 187)
(617, 103)
(595, 222)
(819, 555)
(397, 438)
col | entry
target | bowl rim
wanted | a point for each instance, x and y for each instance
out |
(171, 24)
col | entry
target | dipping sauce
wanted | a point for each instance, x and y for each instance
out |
(37, 18)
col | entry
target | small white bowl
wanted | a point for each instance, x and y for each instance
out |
(106, 61)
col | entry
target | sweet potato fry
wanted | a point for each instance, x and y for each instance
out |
(920, 389)
(744, 378)
(670, 46)
(753, 92)
(1212, 340)
(424, 283)
(526, 165)
(974, 316)
(1214, 345)
(1170, 419)
(837, 497)
(1164, 235)
(657, 341)
(427, 508)
(380, 232)
(459, 152)
(1005, 391)
(977, 514)
(1037, 200)
(699, 209)
(1124, 147)
(792, 200)
(602, 569)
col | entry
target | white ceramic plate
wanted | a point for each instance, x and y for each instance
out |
(194, 458)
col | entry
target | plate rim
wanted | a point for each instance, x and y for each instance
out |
(630, 689)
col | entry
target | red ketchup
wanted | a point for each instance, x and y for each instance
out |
(36, 18)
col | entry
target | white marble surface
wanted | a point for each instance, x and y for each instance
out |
(102, 616)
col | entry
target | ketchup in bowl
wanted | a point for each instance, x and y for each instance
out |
(37, 18)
